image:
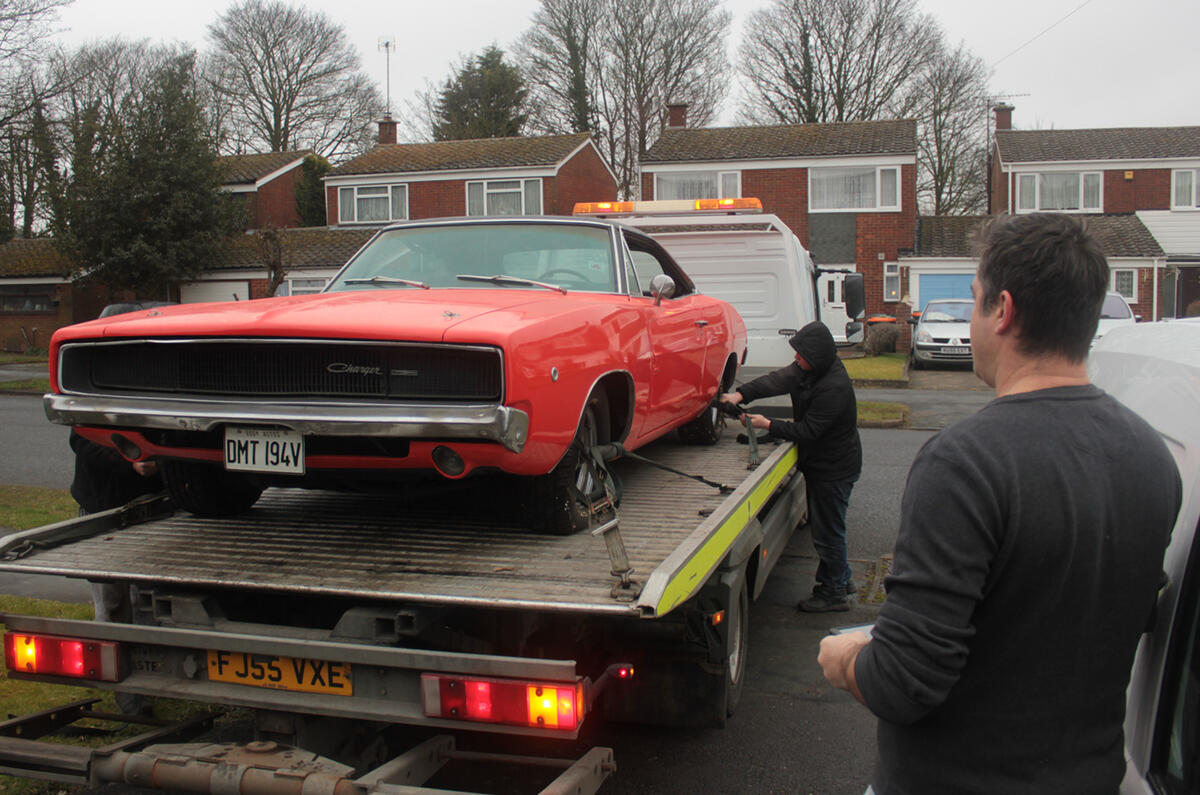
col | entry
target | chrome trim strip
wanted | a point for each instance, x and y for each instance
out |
(490, 422)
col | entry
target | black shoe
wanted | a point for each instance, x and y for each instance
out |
(819, 603)
(851, 588)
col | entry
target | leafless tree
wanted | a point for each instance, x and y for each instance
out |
(290, 78)
(949, 98)
(617, 63)
(832, 60)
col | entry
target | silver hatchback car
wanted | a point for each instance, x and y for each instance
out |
(943, 333)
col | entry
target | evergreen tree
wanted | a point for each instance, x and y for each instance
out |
(310, 191)
(144, 210)
(485, 99)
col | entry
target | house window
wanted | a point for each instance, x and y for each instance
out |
(372, 204)
(19, 299)
(305, 286)
(1125, 283)
(1185, 189)
(505, 197)
(1060, 191)
(857, 188)
(698, 185)
(891, 281)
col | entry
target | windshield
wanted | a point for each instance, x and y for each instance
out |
(946, 312)
(526, 255)
(1115, 308)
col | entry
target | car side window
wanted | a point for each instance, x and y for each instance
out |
(646, 267)
(1175, 765)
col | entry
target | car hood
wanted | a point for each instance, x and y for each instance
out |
(423, 315)
(1107, 324)
(953, 331)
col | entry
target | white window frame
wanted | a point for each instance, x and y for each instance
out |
(308, 285)
(1037, 183)
(392, 214)
(891, 275)
(721, 175)
(1112, 283)
(488, 190)
(878, 208)
(1194, 203)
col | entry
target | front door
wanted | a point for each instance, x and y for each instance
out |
(833, 304)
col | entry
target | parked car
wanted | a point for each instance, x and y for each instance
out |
(1154, 368)
(1114, 313)
(942, 334)
(449, 346)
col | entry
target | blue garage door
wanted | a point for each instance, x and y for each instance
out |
(944, 285)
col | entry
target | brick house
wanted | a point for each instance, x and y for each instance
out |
(945, 253)
(36, 294)
(543, 175)
(1151, 173)
(847, 190)
(265, 187)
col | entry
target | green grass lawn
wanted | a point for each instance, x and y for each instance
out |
(22, 358)
(884, 367)
(22, 507)
(28, 385)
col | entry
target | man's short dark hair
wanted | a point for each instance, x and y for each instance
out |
(1056, 273)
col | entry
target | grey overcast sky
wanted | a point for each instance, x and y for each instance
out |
(1064, 64)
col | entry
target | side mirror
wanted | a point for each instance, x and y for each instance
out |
(662, 286)
(854, 293)
(912, 321)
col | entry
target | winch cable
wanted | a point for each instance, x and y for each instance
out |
(617, 450)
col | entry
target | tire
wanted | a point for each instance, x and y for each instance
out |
(705, 429)
(208, 490)
(916, 364)
(736, 645)
(558, 501)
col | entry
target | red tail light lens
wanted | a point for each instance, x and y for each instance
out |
(507, 701)
(57, 656)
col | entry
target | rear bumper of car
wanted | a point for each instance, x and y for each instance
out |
(503, 425)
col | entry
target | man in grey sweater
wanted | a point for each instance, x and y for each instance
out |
(1029, 554)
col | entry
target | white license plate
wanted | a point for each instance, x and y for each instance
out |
(956, 350)
(264, 450)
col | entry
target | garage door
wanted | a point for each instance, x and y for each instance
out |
(944, 285)
(200, 292)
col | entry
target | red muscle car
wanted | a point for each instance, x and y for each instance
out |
(452, 345)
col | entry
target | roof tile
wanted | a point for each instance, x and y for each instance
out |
(248, 169)
(548, 150)
(1118, 143)
(1122, 235)
(32, 257)
(784, 141)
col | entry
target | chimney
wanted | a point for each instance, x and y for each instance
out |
(387, 130)
(677, 115)
(1003, 113)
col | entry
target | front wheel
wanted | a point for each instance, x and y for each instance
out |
(560, 502)
(208, 490)
(706, 428)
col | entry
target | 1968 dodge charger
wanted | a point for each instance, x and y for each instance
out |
(458, 345)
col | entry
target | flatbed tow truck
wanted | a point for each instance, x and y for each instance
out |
(327, 615)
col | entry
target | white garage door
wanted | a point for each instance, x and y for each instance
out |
(201, 292)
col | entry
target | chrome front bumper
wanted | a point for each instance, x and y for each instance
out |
(483, 422)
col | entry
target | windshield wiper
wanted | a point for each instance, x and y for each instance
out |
(501, 278)
(387, 280)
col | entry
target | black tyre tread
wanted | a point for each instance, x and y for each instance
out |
(207, 490)
(551, 506)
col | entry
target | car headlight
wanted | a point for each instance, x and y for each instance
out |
(924, 336)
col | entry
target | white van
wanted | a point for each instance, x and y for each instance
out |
(755, 262)
(1154, 368)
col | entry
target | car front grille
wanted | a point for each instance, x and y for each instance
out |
(284, 369)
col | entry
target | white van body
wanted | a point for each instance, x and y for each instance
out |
(753, 261)
(1154, 368)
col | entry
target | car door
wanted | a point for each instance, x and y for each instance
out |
(678, 329)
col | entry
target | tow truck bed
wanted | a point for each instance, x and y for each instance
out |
(379, 547)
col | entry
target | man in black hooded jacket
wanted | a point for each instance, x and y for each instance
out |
(824, 428)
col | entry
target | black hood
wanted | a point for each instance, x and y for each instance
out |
(815, 343)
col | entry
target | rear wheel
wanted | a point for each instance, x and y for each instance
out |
(559, 502)
(736, 645)
(705, 429)
(207, 490)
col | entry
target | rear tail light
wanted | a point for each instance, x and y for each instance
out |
(57, 656)
(507, 701)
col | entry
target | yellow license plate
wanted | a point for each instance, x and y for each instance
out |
(280, 673)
